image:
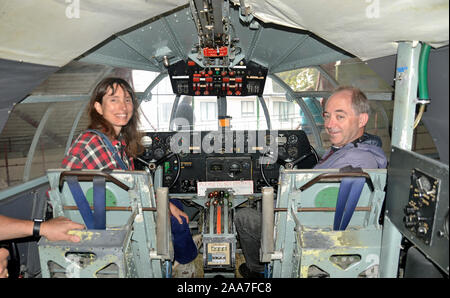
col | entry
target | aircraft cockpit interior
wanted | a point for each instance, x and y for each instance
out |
(230, 99)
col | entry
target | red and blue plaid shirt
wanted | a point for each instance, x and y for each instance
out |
(89, 152)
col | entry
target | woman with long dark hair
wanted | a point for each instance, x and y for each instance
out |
(112, 141)
(113, 113)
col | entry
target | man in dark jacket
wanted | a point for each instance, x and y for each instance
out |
(346, 113)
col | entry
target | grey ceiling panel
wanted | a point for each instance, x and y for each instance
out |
(183, 29)
(118, 53)
(174, 35)
(309, 51)
(17, 80)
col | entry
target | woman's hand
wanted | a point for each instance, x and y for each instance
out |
(178, 213)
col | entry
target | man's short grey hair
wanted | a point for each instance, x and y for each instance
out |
(360, 103)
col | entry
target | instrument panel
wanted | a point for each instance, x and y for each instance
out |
(420, 208)
(191, 157)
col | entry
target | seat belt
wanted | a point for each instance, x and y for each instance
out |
(111, 148)
(98, 219)
(99, 202)
(348, 196)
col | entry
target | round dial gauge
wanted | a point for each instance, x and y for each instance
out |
(146, 141)
(159, 153)
(293, 139)
(292, 152)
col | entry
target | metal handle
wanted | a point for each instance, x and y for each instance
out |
(162, 223)
(267, 241)
(338, 176)
(89, 176)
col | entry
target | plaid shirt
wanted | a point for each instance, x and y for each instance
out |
(89, 152)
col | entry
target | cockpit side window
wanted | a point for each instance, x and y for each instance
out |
(34, 139)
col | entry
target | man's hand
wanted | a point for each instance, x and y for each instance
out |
(57, 229)
(178, 213)
(4, 253)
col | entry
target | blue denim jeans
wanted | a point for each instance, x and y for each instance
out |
(184, 248)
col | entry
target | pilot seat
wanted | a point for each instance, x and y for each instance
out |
(125, 246)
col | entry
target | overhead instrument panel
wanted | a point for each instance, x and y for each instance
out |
(216, 64)
(215, 47)
(244, 79)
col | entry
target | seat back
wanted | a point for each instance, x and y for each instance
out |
(130, 206)
(315, 202)
(118, 197)
(304, 234)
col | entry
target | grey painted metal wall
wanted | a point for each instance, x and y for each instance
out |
(436, 117)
